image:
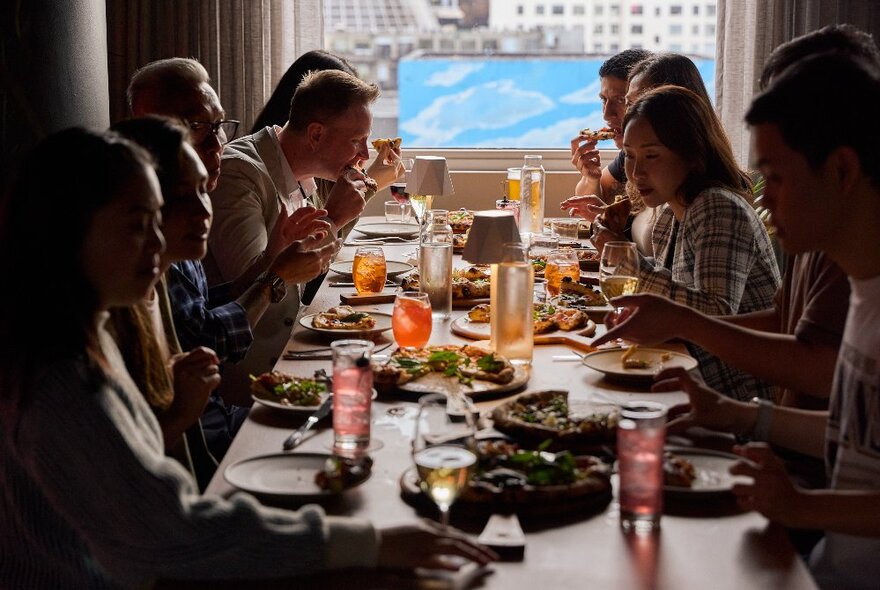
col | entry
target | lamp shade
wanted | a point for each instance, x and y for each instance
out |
(489, 232)
(429, 176)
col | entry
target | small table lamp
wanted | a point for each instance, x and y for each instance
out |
(490, 230)
(429, 178)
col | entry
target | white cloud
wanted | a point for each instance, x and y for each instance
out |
(557, 135)
(493, 105)
(453, 74)
(587, 95)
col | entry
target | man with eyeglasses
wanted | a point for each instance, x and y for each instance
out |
(224, 317)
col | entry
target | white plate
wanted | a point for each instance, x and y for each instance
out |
(608, 362)
(385, 230)
(440, 383)
(289, 408)
(383, 323)
(392, 268)
(284, 474)
(295, 409)
(712, 471)
(463, 326)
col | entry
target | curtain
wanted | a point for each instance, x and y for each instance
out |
(246, 45)
(748, 30)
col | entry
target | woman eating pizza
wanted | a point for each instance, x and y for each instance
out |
(711, 250)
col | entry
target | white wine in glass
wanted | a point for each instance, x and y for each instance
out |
(443, 450)
(618, 270)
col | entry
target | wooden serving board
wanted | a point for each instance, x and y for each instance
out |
(371, 299)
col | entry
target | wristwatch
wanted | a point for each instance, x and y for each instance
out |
(276, 284)
(761, 430)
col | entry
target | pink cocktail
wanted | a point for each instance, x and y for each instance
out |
(640, 438)
(352, 395)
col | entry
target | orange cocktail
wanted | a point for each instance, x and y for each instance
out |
(561, 264)
(411, 319)
(368, 269)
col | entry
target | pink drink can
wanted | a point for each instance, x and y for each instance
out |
(641, 434)
(352, 395)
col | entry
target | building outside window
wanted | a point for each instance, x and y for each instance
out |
(441, 67)
(558, 9)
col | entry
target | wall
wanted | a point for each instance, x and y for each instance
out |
(55, 72)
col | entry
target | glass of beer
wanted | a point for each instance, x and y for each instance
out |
(561, 263)
(513, 178)
(443, 448)
(411, 319)
(368, 269)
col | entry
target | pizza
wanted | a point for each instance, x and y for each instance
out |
(629, 360)
(578, 295)
(465, 363)
(287, 390)
(546, 416)
(459, 241)
(616, 215)
(546, 317)
(508, 473)
(461, 220)
(371, 185)
(603, 133)
(381, 142)
(468, 283)
(677, 471)
(343, 317)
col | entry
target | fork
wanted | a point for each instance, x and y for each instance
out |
(367, 241)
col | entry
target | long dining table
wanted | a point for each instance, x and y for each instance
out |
(698, 546)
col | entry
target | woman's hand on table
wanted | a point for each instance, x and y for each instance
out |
(426, 545)
(647, 319)
(586, 206)
(772, 493)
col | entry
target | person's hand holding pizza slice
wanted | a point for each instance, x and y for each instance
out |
(610, 224)
(387, 167)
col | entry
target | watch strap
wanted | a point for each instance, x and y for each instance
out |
(277, 287)
(761, 430)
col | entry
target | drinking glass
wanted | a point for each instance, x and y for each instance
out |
(565, 228)
(352, 395)
(443, 448)
(543, 245)
(368, 269)
(512, 308)
(513, 179)
(618, 270)
(561, 263)
(398, 187)
(411, 319)
(394, 212)
(640, 437)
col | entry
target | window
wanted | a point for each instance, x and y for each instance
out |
(675, 9)
(710, 29)
(578, 9)
(558, 9)
(695, 30)
(675, 30)
(539, 84)
(539, 9)
(696, 9)
(635, 9)
(658, 11)
(520, 9)
(710, 10)
(598, 9)
(675, 47)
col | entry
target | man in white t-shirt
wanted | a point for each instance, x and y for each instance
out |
(823, 188)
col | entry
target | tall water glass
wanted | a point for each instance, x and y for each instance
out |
(511, 309)
(435, 276)
(531, 212)
(641, 434)
(352, 393)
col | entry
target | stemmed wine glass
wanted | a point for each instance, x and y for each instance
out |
(443, 448)
(618, 270)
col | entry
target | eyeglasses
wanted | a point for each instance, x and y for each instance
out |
(224, 130)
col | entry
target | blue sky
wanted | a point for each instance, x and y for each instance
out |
(503, 102)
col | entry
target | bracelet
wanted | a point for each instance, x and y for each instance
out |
(761, 430)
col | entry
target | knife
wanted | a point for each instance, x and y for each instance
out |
(297, 436)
